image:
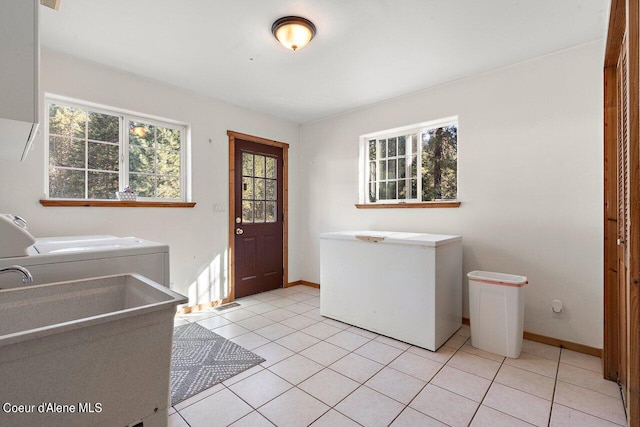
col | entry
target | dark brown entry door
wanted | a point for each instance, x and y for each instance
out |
(258, 218)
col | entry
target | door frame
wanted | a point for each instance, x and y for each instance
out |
(621, 355)
(232, 198)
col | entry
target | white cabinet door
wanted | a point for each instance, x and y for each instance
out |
(19, 75)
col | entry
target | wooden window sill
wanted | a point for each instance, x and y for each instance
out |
(115, 203)
(422, 205)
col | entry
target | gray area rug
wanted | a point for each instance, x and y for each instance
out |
(201, 359)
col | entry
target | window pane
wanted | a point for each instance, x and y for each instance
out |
(102, 185)
(383, 190)
(414, 189)
(247, 188)
(168, 162)
(271, 189)
(439, 163)
(382, 172)
(391, 190)
(372, 192)
(142, 134)
(260, 190)
(392, 147)
(66, 183)
(372, 171)
(247, 212)
(259, 212)
(392, 169)
(103, 157)
(168, 187)
(402, 189)
(402, 145)
(104, 127)
(169, 139)
(259, 166)
(247, 164)
(271, 212)
(144, 185)
(414, 143)
(382, 148)
(141, 159)
(272, 172)
(67, 121)
(372, 149)
(414, 166)
(402, 167)
(66, 152)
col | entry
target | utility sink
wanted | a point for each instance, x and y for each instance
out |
(99, 347)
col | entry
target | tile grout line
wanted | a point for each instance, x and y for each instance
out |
(488, 388)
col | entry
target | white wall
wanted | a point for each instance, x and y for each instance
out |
(197, 237)
(530, 182)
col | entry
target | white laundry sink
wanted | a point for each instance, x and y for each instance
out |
(103, 341)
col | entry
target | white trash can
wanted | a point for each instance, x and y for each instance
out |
(496, 311)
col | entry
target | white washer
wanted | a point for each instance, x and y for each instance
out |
(54, 259)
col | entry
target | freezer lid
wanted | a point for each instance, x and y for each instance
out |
(393, 237)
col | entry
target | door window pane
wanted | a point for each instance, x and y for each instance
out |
(259, 189)
(247, 188)
(247, 164)
(247, 211)
(259, 165)
(271, 212)
(272, 171)
(271, 189)
(259, 211)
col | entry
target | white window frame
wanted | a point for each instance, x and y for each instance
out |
(363, 164)
(124, 117)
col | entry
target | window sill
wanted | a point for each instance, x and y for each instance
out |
(115, 204)
(421, 205)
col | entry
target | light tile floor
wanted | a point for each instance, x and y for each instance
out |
(321, 372)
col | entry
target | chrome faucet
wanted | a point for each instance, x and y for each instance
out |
(26, 275)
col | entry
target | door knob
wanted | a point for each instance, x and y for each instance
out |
(239, 231)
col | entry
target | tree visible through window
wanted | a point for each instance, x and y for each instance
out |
(413, 164)
(92, 156)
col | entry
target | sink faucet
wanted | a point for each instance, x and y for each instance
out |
(26, 275)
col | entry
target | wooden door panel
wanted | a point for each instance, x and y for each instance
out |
(259, 220)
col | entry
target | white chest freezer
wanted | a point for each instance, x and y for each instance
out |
(407, 286)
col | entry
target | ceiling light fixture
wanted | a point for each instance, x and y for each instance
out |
(293, 32)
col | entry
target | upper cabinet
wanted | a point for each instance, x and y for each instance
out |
(19, 77)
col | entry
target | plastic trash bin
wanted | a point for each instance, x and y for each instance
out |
(496, 310)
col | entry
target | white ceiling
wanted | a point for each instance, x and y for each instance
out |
(365, 51)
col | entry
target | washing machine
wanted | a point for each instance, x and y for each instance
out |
(55, 259)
